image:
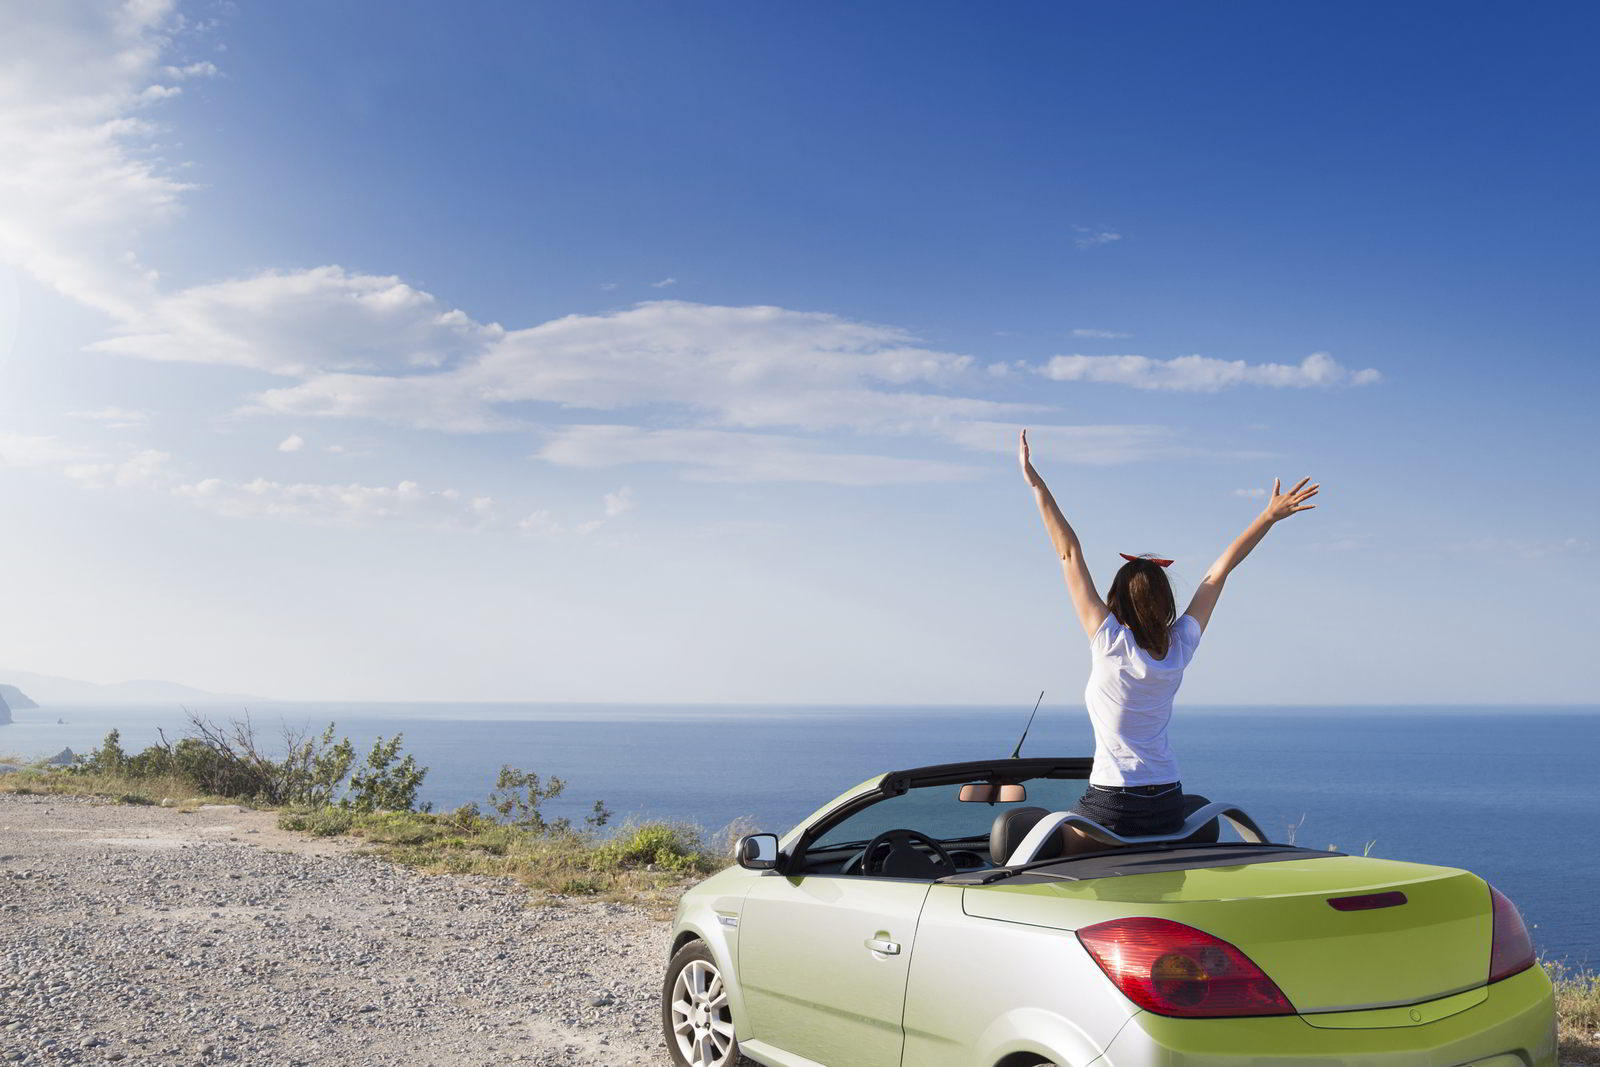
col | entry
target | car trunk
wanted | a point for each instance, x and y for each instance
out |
(1324, 959)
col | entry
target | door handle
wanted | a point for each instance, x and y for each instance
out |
(888, 948)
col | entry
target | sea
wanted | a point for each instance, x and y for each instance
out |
(1512, 794)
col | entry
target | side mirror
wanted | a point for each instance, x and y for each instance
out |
(757, 852)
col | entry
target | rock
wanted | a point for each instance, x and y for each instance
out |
(65, 758)
(16, 698)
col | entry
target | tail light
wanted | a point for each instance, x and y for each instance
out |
(1512, 949)
(1173, 969)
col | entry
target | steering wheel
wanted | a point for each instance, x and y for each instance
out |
(898, 840)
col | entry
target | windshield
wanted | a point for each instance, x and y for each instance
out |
(936, 811)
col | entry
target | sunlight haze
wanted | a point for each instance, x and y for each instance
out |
(676, 353)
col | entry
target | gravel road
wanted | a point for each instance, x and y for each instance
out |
(145, 935)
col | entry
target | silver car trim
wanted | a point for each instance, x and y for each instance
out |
(1045, 827)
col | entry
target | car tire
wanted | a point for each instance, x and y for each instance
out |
(695, 1019)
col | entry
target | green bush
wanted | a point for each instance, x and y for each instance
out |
(386, 782)
(319, 822)
(230, 761)
(668, 846)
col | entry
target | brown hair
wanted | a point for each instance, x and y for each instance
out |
(1141, 599)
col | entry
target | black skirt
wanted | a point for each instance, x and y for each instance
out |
(1134, 810)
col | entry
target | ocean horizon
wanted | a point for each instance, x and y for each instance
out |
(1507, 792)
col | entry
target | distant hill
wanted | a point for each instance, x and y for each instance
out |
(49, 690)
(5, 711)
(18, 700)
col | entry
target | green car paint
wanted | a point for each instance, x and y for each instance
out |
(993, 974)
(981, 990)
(802, 995)
(1324, 960)
(1515, 1013)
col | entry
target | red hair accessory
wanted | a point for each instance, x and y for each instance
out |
(1149, 559)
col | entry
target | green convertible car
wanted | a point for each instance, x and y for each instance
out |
(962, 916)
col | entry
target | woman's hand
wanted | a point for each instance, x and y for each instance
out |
(1029, 475)
(1282, 504)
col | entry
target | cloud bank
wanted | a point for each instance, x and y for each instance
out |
(718, 393)
(1205, 374)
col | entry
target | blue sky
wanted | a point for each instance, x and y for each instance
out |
(672, 352)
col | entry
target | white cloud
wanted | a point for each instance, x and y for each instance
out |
(1090, 445)
(725, 456)
(540, 524)
(304, 322)
(722, 369)
(293, 443)
(82, 175)
(749, 367)
(24, 451)
(1251, 494)
(202, 69)
(1204, 373)
(1103, 335)
(145, 469)
(338, 505)
(1528, 548)
(1092, 236)
(114, 418)
(619, 503)
(148, 470)
(431, 402)
(664, 283)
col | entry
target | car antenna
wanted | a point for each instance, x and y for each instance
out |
(1016, 753)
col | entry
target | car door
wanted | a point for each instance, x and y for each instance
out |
(823, 962)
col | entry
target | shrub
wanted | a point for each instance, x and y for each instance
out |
(667, 846)
(231, 761)
(386, 782)
(517, 797)
(319, 822)
(1578, 1013)
(518, 794)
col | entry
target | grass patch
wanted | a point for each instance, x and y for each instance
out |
(37, 780)
(648, 862)
(1577, 1015)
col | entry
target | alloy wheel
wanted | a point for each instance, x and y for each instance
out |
(702, 1025)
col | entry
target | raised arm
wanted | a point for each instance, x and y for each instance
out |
(1090, 608)
(1280, 507)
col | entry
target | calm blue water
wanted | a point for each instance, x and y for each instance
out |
(1513, 795)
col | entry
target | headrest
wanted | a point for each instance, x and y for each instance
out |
(1009, 828)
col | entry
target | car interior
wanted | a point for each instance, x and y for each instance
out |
(937, 827)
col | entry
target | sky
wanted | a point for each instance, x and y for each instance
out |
(676, 352)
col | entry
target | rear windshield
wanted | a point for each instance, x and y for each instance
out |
(938, 812)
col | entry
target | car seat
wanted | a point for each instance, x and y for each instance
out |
(1010, 827)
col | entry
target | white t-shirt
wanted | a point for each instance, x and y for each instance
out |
(1130, 703)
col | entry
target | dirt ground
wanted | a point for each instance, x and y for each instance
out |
(147, 935)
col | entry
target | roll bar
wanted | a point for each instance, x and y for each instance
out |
(1025, 852)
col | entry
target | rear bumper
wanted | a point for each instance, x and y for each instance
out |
(1516, 1019)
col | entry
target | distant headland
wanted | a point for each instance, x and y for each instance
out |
(47, 690)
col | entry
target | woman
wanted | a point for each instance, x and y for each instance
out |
(1139, 648)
